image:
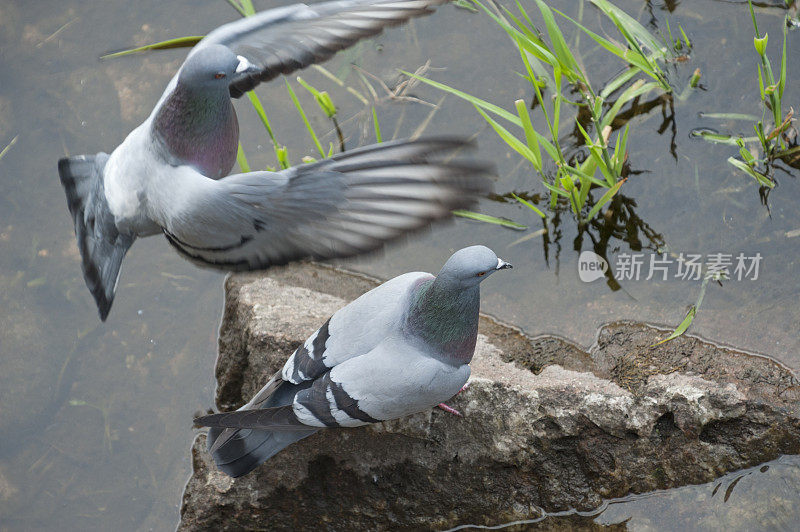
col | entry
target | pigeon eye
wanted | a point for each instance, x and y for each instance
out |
(219, 75)
(481, 274)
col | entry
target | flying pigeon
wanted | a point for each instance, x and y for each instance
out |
(401, 348)
(168, 175)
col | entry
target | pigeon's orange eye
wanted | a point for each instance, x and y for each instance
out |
(481, 274)
(219, 75)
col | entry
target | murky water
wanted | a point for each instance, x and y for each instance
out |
(95, 420)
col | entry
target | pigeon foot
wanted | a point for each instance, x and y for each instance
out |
(450, 409)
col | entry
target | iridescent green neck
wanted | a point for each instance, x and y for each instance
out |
(445, 316)
(199, 128)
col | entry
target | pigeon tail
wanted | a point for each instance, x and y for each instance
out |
(238, 451)
(246, 449)
(101, 245)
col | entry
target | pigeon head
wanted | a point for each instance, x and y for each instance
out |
(469, 266)
(212, 68)
(197, 122)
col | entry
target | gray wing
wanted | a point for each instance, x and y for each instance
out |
(354, 330)
(279, 41)
(349, 204)
(391, 381)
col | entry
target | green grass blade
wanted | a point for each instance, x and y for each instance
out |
(559, 44)
(597, 153)
(583, 191)
(280, 153)
(8, 147)
(637, 89)
(530, 133)
(302, 114)
(533, 44)
(328, 74)
(556, 190)
(630, 26)
(633, 57)
(241, 158)
(759, 177)
(512, 141)
(180, 42)
(753, 16)
(719, 138)
(685, 38)
(605, 198)
(729, 116)
(782, 79)
(244, 7)
(618, 82)
(466, 4)
(499, 111)
(322, 98)
(580, 174)
(248, 7)
(612, 47)
(530, 205)
(687, 321)
(537, 89)
(621, 149)
(490, 219)
(524, 28)
(262, 114)
(524, 13)
(378, 136)
(283, 157)
(237, 7)
(680, 329)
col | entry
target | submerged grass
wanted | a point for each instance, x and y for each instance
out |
(8, 147)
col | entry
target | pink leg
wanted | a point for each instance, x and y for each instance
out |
(450, 409)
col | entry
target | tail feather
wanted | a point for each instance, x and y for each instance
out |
(238, 451)
(101, 245)
(248, 449)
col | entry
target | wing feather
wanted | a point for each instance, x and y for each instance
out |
(279, 41)
(350, 204)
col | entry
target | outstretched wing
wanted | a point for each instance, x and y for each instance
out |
(279, 41)
(349, 204)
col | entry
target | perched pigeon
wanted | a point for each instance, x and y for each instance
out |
(401, 348)
(168, 175)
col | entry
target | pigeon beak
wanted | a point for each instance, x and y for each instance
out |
(245, 66)
(503, 265)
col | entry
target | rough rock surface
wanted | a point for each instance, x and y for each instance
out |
(546, 426)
